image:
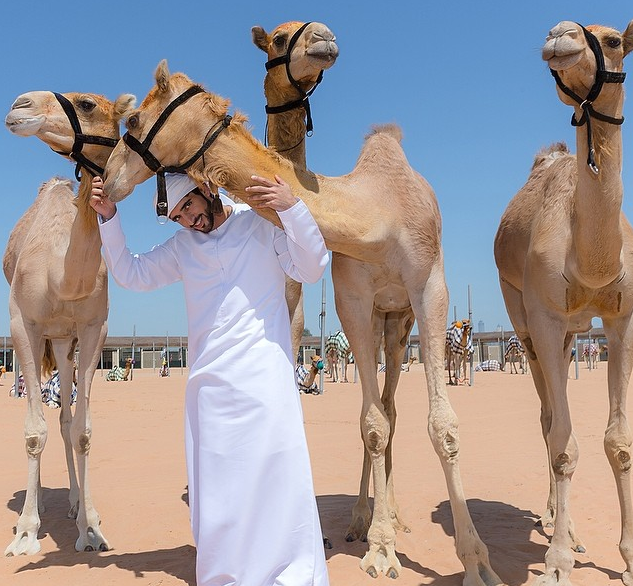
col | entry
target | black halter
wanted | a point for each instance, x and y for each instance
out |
(80, 140)
(303, 101)
(142, 148)
(602, 76)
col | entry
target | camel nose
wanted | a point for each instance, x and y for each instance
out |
(21, 102)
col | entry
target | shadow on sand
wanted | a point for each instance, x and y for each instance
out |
(178, 562)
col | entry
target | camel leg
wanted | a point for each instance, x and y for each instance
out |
(356, 319)
(29, 348)
(398, 326)
(551, 350)
(361, 511)
(91, 339)
(63, 355)
(617, 437)
(430, 304)
(294, 299)
(514, 302)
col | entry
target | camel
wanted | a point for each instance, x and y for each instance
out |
(337, 352)
(306, 376)
(515, 353)
(458, 348)
(298, 53)
(58, 295)
(118, 373)
(564, 253)
(352, 212)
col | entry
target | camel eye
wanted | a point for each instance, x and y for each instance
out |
(279, 42)
(614, 42)
(132, 121)
(87, 105)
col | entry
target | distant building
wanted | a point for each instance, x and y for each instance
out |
(481, 327)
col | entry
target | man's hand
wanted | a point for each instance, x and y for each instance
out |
(99, 202)
(276, 195)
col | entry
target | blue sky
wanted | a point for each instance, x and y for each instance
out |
(464, 80)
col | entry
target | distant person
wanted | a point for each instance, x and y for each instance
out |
(251, 498)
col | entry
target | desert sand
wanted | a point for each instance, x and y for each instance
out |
(138, 483)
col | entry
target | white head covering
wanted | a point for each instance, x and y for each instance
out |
(177, 186)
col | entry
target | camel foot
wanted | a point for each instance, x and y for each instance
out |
(357, 529)
(91, 540)
(481, 575)
(627, 578)
(25, 543)
(327, 544)
(553, 579)
(381, 562)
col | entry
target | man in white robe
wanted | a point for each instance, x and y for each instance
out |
(251, 497)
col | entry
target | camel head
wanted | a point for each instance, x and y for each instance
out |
(47, 115)
(176, 137)
(304, 50)
(569, 53)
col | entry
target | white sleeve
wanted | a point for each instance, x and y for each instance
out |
(138, 272)
(300, 246)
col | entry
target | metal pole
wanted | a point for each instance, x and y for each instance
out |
(181, 355)
(133, 340)
(322, 326)
(153, 357)
(470, 317)
(576, 354)
(168, 366)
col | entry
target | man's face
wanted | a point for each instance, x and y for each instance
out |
(193, 211)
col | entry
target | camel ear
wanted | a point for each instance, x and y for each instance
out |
(162, 76)
(260, 38)
(123, 105)
(627, 43)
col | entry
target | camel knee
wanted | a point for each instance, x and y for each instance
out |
(35, 445)
(82, 443)
(617, 447)
(564, 464)
(445, 440)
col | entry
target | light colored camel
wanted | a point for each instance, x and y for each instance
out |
(353, 214)
(58, 298)
(564, 252)
(298, 53)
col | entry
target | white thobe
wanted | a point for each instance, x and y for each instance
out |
(251, 497)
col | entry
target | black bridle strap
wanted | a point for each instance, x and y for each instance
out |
(142, 148)
(602, 76)
(81, 139)
(303, 101)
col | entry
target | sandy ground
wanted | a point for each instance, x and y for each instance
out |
(139, 486)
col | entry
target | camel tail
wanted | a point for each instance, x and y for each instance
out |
(48, 361)
(392, 129)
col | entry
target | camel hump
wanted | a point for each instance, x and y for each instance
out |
(391, 129)
(549, 154)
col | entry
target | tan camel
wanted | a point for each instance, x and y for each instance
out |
(118, 373)
(298, 53)
(58, 298)
(564, 252)
(353, 214)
